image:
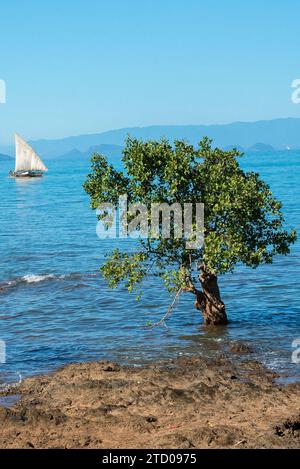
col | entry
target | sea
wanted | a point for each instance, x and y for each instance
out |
(55, 308)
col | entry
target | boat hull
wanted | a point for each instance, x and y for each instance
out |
(25, 174)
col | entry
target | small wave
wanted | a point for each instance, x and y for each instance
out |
(38, 278)
(30, 279)
(11, 382)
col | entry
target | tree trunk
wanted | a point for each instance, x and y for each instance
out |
(209, 300)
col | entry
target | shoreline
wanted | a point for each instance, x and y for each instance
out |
(188, 402)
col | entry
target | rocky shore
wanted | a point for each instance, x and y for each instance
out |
(189, 402)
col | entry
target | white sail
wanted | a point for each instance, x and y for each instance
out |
(26, 157)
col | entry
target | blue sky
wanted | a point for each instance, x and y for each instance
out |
(77, 66)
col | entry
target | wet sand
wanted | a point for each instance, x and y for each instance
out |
(185, 403)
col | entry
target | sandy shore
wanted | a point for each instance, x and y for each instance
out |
(186, 403)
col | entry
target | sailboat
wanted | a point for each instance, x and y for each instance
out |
(28, 163)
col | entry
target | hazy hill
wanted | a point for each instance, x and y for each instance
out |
(112, 152)
(109, 150)
(261, 147)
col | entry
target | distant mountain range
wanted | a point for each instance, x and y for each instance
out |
(268, 135)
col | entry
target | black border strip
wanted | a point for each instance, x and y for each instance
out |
(150, 457)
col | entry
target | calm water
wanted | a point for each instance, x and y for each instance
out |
(55, 308)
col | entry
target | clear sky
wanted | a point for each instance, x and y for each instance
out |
(75, 66)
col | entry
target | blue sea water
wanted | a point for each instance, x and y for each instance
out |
(55, 308)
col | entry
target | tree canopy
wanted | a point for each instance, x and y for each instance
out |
(243, 220)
